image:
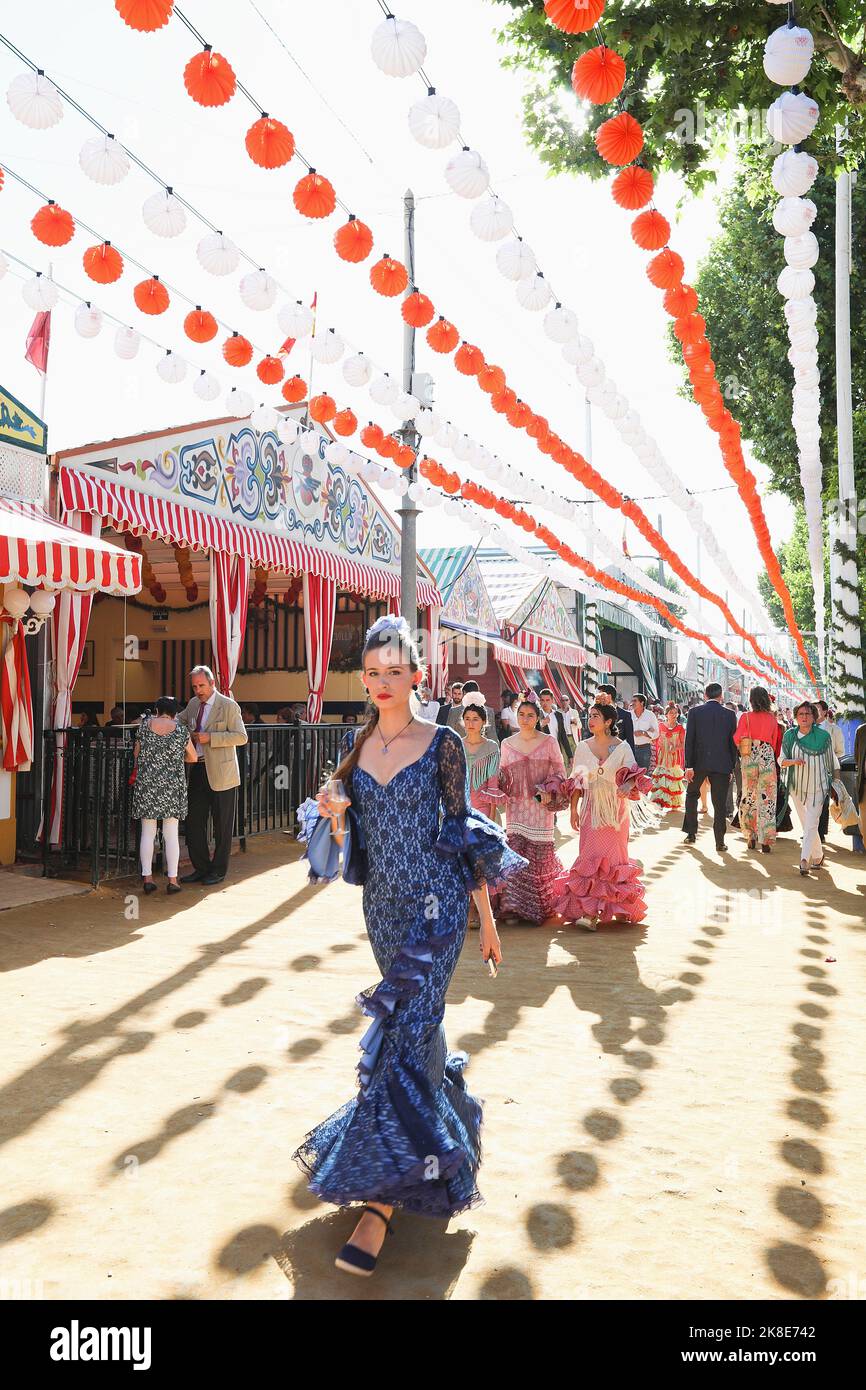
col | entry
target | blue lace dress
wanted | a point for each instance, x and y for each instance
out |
(411, 1136)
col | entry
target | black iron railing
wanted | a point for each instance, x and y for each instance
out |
(280, 766)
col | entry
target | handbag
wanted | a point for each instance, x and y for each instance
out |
(746, 743)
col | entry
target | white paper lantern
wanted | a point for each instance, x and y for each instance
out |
(171, 369)
(802, 252)
(467, 174)
(446, 435)
(34, 100)
(384, 390)
(596, 393)
(794, 172)
(534, 293)
(288, 429)
(804, 338)
(163, 214)
(464, 448)
(434, 121)
(401, 485)
(336, 453)
(357, 370)
(42, 603)
(515, 260)
(801, 357)
(801, 313)
(88, 321)
(492, 219)
(794, 216)
(126, 343)
(103, 160)
(218, 254)
(615, 408)
(560, 324)
(4, 265)
(40, 293)
(404, 406)
(792, 117)
(451, 508)
(327, 347)
(258, 290)
(265, 419)
(206, 386)
(386, 480)
(239, 403)
(580, 349)
(788, 55)
(427, 422)
(295, 320)
(415, 491)
(398, 47)
(591, 373)
(807, 376)
(795, 284)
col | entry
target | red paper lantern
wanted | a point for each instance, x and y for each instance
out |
(690, 328)
(598, 75)
(389, 446)
(151, 296)
(270, 144)
(633, 187)
(468, 359)
(371, 436)
(502, 401)
(314, 195)
(442, 336)
(650, 230)
(237, 351)
(666, 269)
(294, 390)
(491, 379)
(619, 140)
(680, 300)
(518, 415)
(345, 422)
(199, 325)
(417, 309)
(405, 456)
(353, 241)
(388, 277)
(270, 370)
(574, 16)
(209, 78)
(144, 15)
(52, 225)
(322, 408)
(103, 263)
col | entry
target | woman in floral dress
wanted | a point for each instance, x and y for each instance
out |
(758, 736)
(159, 790)
(668, 776)
(531, 774)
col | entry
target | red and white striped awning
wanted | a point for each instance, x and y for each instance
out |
(130, 509)
(35, 549)
(503, 650)
(565, 653)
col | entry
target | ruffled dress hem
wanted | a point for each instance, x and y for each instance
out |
(597, 887)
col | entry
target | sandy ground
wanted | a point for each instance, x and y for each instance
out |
(672, 1111)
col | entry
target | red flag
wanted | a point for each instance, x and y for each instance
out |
(37, 341)
(625, 549)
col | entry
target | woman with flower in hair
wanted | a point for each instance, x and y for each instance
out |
(411, 1136)
(482, 755)
(603, 884)
(531, 773)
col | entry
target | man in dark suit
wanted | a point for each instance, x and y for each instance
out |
(710, 752)
(452, 702)
(606, 695)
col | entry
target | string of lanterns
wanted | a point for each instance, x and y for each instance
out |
(399, 48)
(787, 59)
(619, 141)
(435, 123)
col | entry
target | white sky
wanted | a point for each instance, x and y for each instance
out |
(133, 83)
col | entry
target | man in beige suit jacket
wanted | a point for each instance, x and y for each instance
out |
(217, 729)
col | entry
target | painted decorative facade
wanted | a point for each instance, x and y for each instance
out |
(546, 614)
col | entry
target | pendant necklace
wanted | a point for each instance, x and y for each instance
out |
(387, 742)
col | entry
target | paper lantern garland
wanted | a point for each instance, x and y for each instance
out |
(209, 78)
(52, 225)
(103, 263)
(270, 143)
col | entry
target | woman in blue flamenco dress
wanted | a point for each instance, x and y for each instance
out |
(410, 1138)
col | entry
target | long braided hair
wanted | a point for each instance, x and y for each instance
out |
(386, 632)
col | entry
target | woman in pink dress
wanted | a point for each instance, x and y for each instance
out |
(603, 884)
(531, 775)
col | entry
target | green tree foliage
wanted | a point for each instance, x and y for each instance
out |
(695, 79)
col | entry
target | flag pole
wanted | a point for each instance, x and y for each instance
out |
(45, 373)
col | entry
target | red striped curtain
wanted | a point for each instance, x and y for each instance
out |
(572, 687)
(229, 599)
(514, 678)
(320, 606)
(17, 703)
